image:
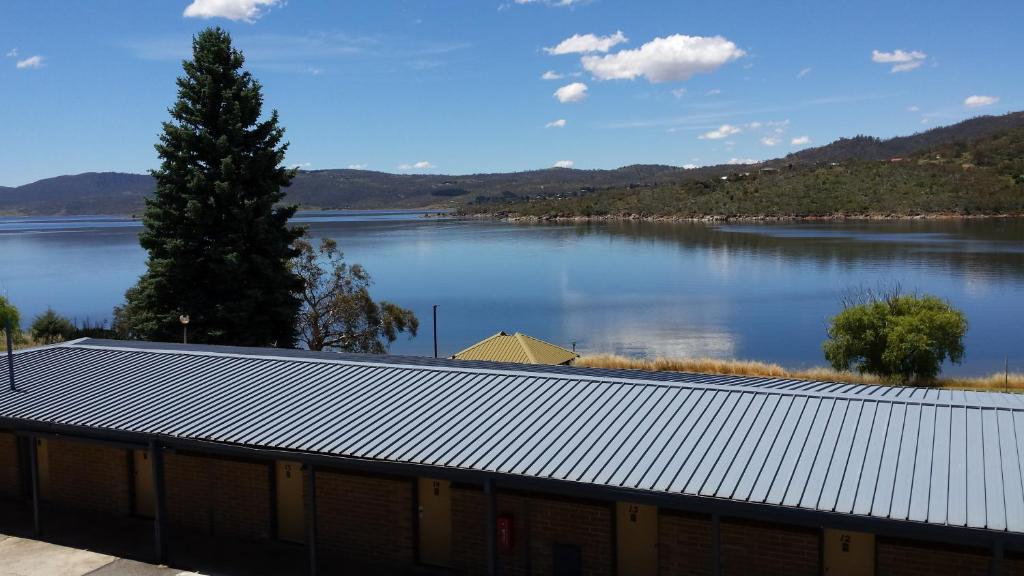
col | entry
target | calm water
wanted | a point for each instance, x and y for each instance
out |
(759, 291)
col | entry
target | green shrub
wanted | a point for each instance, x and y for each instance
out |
(50, 328)
(903, 338)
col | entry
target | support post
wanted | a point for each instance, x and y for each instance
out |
(311, 517)
(156, 462)
(996, 567)
(33, 458)
(435, 330)
(492, 527)
(716, 545)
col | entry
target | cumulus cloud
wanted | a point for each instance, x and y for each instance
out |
(975, 101)
(723, 131)
(803, 72)
(739, 161)
(670, 59)
(770, 140)
(421, 165)
(564, 164)
(575, 92)
(913, 109)
(551, 75)
(689, 166)
(12, 53)
(239, 10)
(901, 60)
(560, 123)
(356, 166)
(800, 141)
(587, 43)
(679, 92)
(30, 62)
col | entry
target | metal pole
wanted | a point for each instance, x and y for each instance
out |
(156, 461)
(716, 545)
(10, 355)
(33, 459)
(311, 517)
(492, 527)
(435, 330)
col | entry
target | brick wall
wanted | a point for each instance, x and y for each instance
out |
(218, 496)
(684, 543)
(89, 477)
(905, 558)
(469, 544)
(1013, 564)
(9, 470)
(365, 521)
(769, 549)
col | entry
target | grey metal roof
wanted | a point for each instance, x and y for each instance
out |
(936, 457)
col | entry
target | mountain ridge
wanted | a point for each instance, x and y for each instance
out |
(124, 193)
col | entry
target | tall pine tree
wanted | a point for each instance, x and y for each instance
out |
(219, 242)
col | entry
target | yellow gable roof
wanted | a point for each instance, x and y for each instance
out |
(517, 348)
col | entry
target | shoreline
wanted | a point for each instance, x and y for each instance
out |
(513, 217)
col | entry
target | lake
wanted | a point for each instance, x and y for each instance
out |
(752, 291)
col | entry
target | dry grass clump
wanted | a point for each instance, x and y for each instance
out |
(995, 382)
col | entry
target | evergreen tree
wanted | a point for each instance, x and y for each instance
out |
(219, 244)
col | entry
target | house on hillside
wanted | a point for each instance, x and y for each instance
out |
(517, 348)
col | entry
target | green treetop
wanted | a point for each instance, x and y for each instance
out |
(219, 244)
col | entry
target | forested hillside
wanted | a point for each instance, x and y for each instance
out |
(967, 178)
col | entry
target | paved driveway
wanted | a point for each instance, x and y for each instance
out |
(23, 557)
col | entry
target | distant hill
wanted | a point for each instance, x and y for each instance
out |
(871, 148)
(118, 193)
(971, 177)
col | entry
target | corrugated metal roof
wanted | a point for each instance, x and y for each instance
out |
(941, 458)
(516, 348)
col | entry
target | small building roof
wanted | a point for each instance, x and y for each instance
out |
(517, 348)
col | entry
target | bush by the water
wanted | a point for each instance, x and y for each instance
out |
(902, 338)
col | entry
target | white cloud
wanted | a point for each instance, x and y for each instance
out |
(356, 166)
(421, 165)
(575, 92)
(901, 61)
(679, 92)
(564, 164)
(551, 2)
(587, 43)
(30, 62)
(800, 141)
(244, 10)
(971, 101)
(670, 59)
(722, 131)
(12, 53)
(714, 92)
(560, 123)
(913, 109)
(770, 140)
(804, 72)
(551, 75)
(302, 165)
(690, 166)
(737, 161)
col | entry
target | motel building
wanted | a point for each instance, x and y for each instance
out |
(296, 462)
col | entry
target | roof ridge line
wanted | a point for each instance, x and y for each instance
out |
(541, 374)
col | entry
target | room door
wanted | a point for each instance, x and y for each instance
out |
(435, 521)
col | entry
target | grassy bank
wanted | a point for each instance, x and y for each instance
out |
(995, 382)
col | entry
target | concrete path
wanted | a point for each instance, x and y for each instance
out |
(23, 557)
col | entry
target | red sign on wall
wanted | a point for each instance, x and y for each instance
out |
(505, 533)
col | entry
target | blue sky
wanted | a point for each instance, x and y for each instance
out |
(450, 86)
